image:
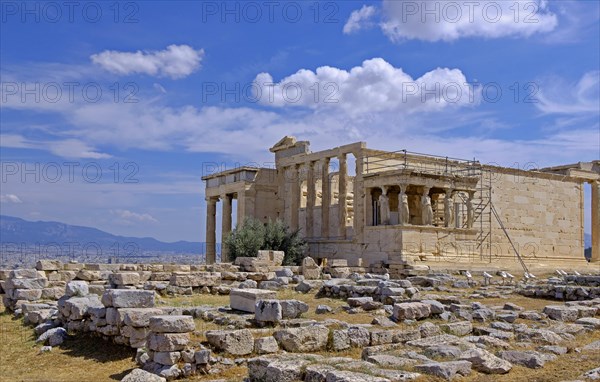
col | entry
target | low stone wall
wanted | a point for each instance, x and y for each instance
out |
(49, 279)
(380, 290)
(562, 291)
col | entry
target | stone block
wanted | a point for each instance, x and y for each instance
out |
(265, 345)
(197, 279)
(88, 275)
(292, 308)
(446, 370)
(460, 328)
(36, 283)
(24, 273)
(411, 311)
(66, 275)
(112, 316)
(268, 311)
(73, 267)
(125, 298)
(359, 336)
(302, 340)
(357, 302)
(136, 335)
(485, 362)
(166, 357)
(172, 324)
(530, 359)
(245, 299)
(251, 264)
(310, 269)
(136, 317)
(4, 274)
(561, 312)
(381, 337)
(167, 341)
(77, 288)
(176, 268)
(52, 293)
(202, 357)
(27, 294)
(139, 375)
(48, 265)
(125, 278)
(234, 342)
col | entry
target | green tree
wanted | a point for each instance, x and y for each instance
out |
(245, 241)
(253, 236)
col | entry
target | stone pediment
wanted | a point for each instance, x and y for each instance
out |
(285, 143)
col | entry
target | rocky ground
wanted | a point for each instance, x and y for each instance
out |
(359, 327)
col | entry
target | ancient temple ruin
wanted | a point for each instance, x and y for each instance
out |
(396, 208)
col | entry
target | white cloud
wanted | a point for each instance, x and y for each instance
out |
(436, 20)
(360, 19)
(133, 216)
(557, 96)
(66, 148)
(159, 88)
(375, 86)
(177, 61)
(10, 198)
(578, 19)
(376, 103)
(73, 148)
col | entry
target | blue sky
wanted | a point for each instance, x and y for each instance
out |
(164, 114)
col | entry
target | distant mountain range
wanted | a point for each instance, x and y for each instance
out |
(588, 240)
(16, 231)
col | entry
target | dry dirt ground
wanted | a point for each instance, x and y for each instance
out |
(90, 359)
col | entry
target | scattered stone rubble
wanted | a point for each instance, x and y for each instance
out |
(414, 330)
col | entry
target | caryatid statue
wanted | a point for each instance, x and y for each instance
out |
(403, 210)
(449, 208)
(384, 207)
(470, 212)
(427, 211)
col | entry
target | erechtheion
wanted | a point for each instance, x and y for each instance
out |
(400, 207)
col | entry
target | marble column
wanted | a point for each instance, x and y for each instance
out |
(295, 196)
(225, 226)
(403, 209)
(426, 210)
(241, 207)
(369, 207)
(311, 196)
(595, 221)
(359, 197)
(211, 222)
(325, 198)
(342, 192)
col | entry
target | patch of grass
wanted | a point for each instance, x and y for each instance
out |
(77, 359)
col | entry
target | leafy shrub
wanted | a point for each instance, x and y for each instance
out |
(246, 240)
